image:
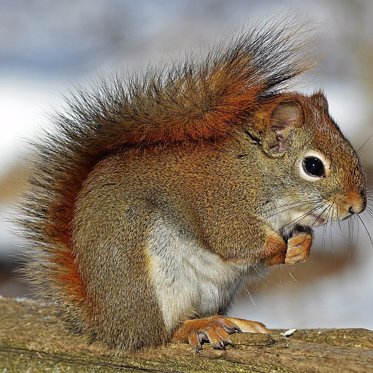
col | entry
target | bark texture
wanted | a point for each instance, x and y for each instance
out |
(33, 339)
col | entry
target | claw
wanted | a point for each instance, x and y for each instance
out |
(219, 346)
(215, 330)
(194, 341)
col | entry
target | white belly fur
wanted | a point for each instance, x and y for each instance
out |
(189, 281)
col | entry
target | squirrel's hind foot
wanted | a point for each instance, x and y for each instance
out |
(215, 330)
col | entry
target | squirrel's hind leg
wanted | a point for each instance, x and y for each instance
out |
(110, 246)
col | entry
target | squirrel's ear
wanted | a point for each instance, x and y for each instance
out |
(286, 116)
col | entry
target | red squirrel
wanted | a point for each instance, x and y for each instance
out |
(156, 195)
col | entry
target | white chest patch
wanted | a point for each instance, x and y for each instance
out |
(189, 281)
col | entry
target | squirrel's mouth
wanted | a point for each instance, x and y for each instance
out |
(314, 219)
(290, 222)
(287, 233)
(310, 221)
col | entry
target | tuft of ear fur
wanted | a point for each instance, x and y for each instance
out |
(320, 100)
(192, 101)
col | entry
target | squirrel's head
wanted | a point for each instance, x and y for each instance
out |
(317, 176)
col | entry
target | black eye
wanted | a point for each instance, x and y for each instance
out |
(313, 166)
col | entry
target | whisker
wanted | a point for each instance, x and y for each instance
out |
(364, 143)
(369, 211)
(274, 202)
(249, 293)
(263, 278)
(297, 220)
(358, 230)
(340, 228)
(291, 205)
(330, 213)
(323, 241)
(287, 209)
(324, 212)
(295, 280)
(350, 236)
(331, 231)
(355, 237)
(366, 229)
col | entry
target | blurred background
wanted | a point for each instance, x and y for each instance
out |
(48, 47)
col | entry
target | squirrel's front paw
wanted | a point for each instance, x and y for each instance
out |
(298, 248)
(275, 250)
(215, 330)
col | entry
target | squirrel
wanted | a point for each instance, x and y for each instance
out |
(158, 194)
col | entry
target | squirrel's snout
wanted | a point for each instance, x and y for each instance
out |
(355, 210)
(352, 202)
(359, 202)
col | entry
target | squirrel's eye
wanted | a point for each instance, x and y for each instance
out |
(313, 166)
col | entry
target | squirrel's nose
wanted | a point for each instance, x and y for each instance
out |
(358, 203)
(352, 210)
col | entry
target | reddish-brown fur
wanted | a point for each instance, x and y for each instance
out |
(70, 279)
(61, 215)
(195, 117)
